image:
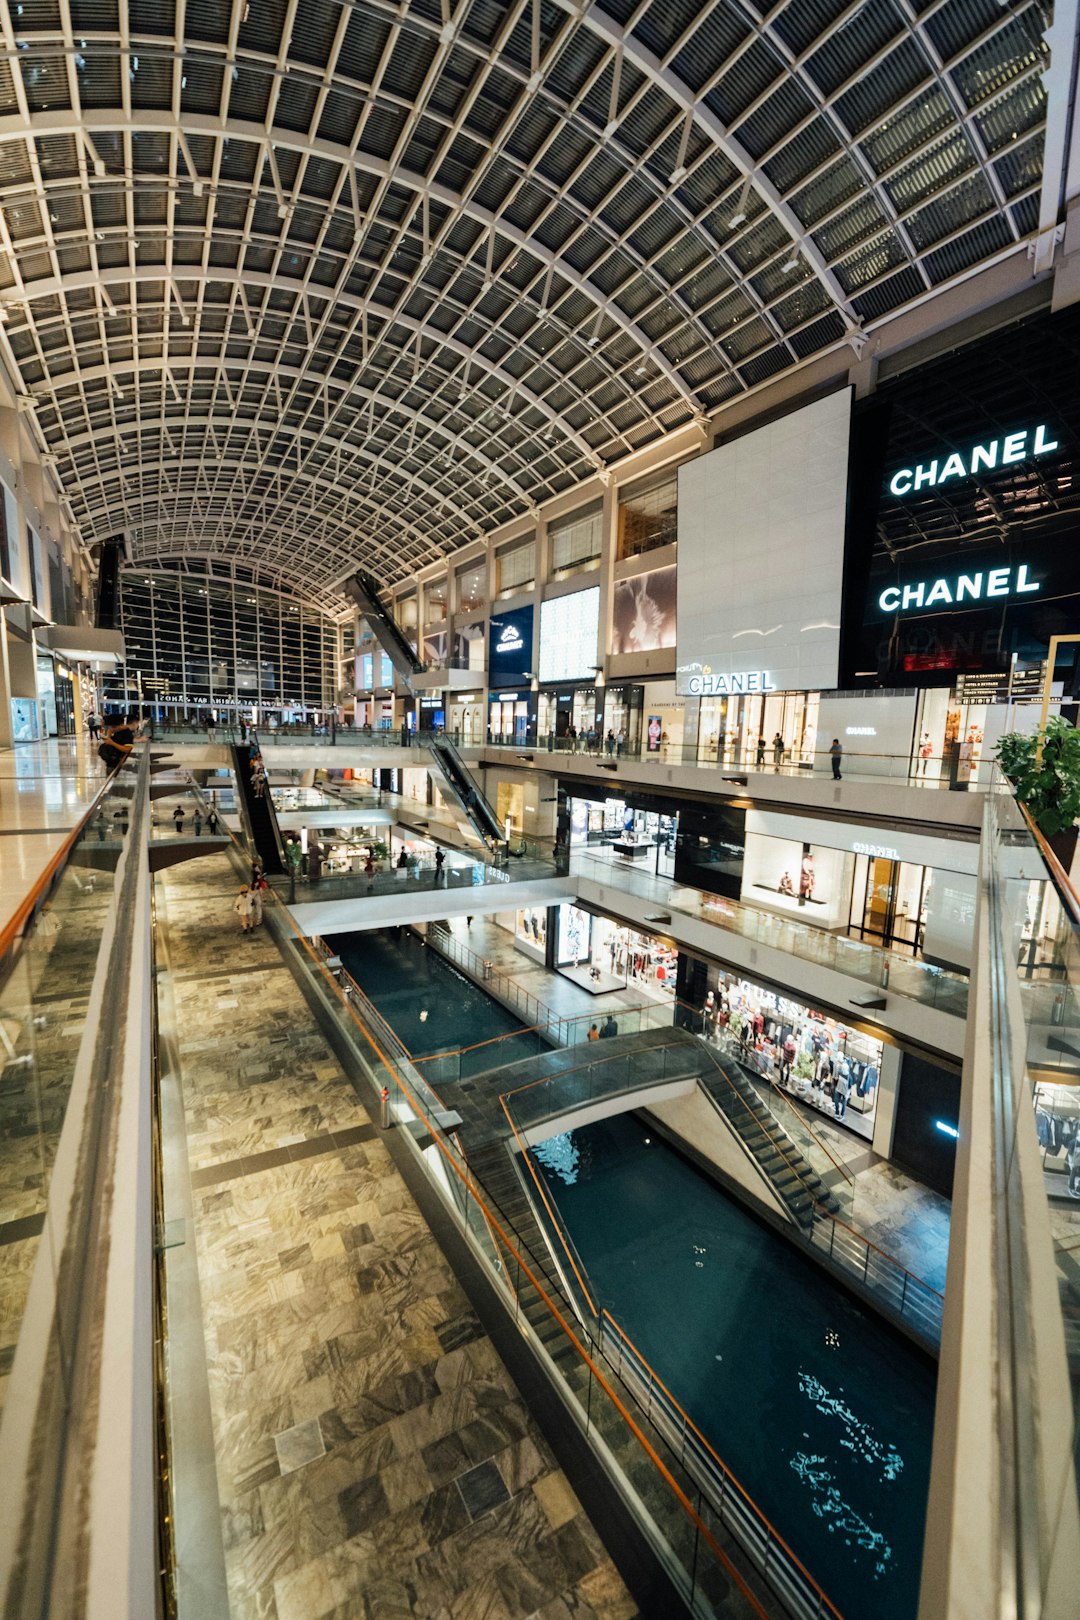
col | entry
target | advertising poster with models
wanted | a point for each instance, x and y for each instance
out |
(643, 613)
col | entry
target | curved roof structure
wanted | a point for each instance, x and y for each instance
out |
(313, 285)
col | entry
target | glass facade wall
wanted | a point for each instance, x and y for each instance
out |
(197, 639)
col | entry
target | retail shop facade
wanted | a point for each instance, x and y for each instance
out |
(922, 641)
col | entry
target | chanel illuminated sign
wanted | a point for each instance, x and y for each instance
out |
(726, 685)
(881, 852)
(967, 587)
(997, 453)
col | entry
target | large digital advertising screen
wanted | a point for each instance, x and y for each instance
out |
(569, 626)
(762, 524)
(643, 613)
(510, 637)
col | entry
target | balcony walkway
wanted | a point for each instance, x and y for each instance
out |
(372, 1453)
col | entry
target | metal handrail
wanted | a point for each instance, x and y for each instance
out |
(559, 1225)
(468, 1182)
(729, 1477)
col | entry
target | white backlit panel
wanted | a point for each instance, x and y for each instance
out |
(761, 556)
(568, 630)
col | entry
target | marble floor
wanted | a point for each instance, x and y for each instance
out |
(374, 1458)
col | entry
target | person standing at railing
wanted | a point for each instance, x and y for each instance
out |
(836, 754)
(440, 862)
(777, 751)
(760, 759)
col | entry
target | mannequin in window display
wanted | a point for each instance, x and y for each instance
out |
(807, 880)
(785, 886)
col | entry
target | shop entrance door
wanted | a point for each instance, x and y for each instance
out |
(887, 902)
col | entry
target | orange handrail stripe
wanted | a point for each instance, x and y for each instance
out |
(554, 1219)
(468, 1182)
(14, 925)
(743, 1492)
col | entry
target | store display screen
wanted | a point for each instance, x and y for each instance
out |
(569, 626)
(575, 935)
(510, 637)
(762, 523)
(643, 613)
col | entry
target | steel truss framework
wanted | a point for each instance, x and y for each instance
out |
(306, 286)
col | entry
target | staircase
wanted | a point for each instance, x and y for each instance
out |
(492, 1164)
(802, 1191)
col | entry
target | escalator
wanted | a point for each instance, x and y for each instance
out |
(365, 593)
(462, 789)
(257, 815)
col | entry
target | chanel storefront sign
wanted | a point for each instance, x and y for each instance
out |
(710, 685)
(989, 582)
(1029, 442)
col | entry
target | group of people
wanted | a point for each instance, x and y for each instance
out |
(594, 741)
(213, 820)
(813, 1061)
(605, 1031)
(248, 904)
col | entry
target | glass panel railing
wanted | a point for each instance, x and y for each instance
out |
(74, 1048)
(1036, 1061)
(45, 1002)
(933, 986)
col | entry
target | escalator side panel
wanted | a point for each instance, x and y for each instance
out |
(463, 786)
(365, 593)
(257, 814)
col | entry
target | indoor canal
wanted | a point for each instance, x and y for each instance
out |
(818, 1407)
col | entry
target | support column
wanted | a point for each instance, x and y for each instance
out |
(888, 1092)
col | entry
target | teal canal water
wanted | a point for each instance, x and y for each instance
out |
(820, 1410)
(428, 1004)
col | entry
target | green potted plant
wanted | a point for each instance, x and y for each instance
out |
(1047, 781)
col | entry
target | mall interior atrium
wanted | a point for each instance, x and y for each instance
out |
(539, 801)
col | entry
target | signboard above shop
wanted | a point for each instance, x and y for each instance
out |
(510, 637)
(964, 510)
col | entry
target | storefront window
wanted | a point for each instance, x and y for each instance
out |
(605, 955)
(530, 932)
(648, 517)
(819, 1061)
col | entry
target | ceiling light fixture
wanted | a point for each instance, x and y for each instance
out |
(791, 262)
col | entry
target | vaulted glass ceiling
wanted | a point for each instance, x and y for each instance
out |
(311, 285)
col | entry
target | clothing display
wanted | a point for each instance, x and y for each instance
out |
(1057, 1126)
(818, 1060)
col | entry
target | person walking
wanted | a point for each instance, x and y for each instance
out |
(242, 907)
(777, 751)
(440, 862)
(93, 726)
(256, 893)
(243, 728)
(211, 727)
(212, 822)
(178, 818)
(836, 754)
(369, 872)
(761, 750)
(198, 822)
(314, 860)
